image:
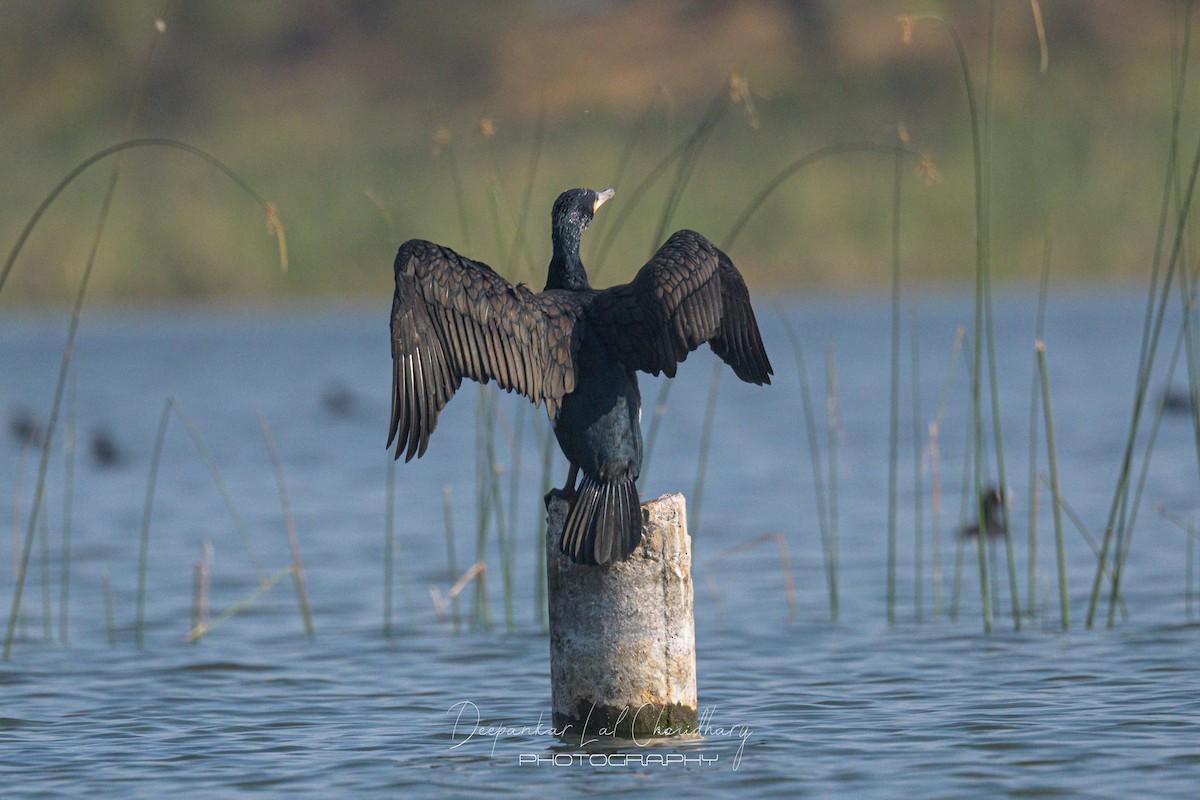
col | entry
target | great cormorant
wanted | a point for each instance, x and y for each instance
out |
(574, 348)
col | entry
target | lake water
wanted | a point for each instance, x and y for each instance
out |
(792, 702)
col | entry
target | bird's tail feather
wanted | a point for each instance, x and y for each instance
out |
(604, 524)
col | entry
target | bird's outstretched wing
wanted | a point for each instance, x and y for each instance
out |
(689, 293)
(454, 318)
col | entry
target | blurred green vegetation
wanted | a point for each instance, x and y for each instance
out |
(351, 116)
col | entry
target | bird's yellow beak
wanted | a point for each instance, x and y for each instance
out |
(602, 198)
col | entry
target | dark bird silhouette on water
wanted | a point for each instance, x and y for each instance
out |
(105, 451)
(571, 347)
(25, 427)
(995, 509)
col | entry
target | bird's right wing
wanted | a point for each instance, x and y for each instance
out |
(454, 318)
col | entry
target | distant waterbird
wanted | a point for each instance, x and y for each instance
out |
(25, 427)
(995, 512)
(339, 401)
(105, 451)
(1175, 401)
(573, 348)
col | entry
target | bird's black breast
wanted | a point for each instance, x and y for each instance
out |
(598, 427)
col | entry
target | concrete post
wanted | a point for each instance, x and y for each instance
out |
(623, 636)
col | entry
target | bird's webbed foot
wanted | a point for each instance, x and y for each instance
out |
(560, 494)
(568, 492)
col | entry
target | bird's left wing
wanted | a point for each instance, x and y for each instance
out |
(689, 293)
(454, 318)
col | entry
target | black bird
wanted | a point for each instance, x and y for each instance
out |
(104, 449)
(339, 401)
(572, 347)
(995, 509)
(25, 427)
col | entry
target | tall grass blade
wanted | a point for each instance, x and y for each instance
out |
(77, 308)
(710, 412)
(518, 245)
(935, 477)
(110, 624)
(68, 506)
(715, 112)
(833, 419)
(1035, 394)
(139, 624)
(389, 546)
(215, 473)
(242, 604)
(541, 608)
(451, 559)
(656, 416)
(1152, 323)
(1055, 495)
(781, 177)
(44, 563)
(297, 567)
(814, 452)
(484, 475)
(918, 469)
(981, 167)
(785, 566)
(894, 394)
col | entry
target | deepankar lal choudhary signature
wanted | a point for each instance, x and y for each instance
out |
(469, 725)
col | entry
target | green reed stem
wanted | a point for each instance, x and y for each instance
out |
(1010, 559)
(502, 533)
(1051, 454)
(814, 452)
(389, 546)
(110, 623)
(77, 309)
(215, 472)
(716, 110)
(484, 432)
(1035, 394)
(451, 559)
(144, 546)
(1139, 401)
(918, 487)
(44, 563)
(781, 177)
(710, 412)
(631, 141)
(1123, 541)
(981, 166)
(200, 588)
(514, 493)
(297, 568)
(656, 416)
(894, 394)
(460, 195)
(541, 610)
(518, 245)
(833, 429)
(68, 503)
(1189, 531)
(1152, 323)
(1087, 537)
(171, 404)
(258, 591)
(935, 469)
(268, 208)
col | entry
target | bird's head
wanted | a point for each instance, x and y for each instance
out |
(573, 212)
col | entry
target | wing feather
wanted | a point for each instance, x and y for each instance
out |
(454, 318)
(687, 295)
